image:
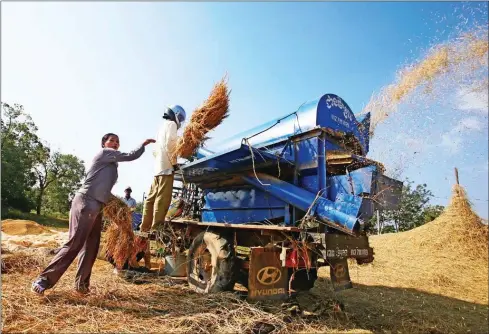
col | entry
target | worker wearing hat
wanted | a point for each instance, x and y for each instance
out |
(160, 193)
(131, 202)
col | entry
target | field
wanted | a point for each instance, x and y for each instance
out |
(432, 279)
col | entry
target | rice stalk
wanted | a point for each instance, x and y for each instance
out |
(204, 119)
(119, 242)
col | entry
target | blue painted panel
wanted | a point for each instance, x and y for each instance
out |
(309, 183)
(229, 161)
(307, 152)
(240, 199)
(348, 204)
(361, 182)
(136, 220)
(328, 111)
(332, 147)
(242, 216)
(323, 208)
(338, 184)
(335, 114)
(362, 179)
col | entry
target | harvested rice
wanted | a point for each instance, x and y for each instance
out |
(23, 227)
(205, 118)
(460, 62)
(119, 241)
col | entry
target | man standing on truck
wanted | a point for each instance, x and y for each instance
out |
(160, 193)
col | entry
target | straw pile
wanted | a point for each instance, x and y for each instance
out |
(448, 256)
(155, 305)
(205, 118)
(161, 305)
(461, 62)
(119, 236)
(22, 262)
(27, 236)
(23, 227)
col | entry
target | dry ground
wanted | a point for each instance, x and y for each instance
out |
(160, 305)
(432, 279)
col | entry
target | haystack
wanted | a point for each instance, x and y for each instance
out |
(204, 119)
(447, 256)
(23, 227)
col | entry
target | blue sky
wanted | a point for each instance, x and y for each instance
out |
(84, 69)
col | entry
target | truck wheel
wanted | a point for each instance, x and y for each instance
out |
(211, 263)
(303, 280)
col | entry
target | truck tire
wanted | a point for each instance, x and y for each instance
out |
(211, 263)
(303, 280)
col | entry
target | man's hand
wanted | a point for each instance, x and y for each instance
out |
(148, 141)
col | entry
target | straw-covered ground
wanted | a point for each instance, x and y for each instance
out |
(432, 279)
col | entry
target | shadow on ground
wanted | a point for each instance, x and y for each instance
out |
(386, 309)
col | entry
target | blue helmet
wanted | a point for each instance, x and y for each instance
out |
(179, 113)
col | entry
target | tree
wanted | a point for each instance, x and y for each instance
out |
(60, 173)
(431, 212)
(388, 229)
(410, 213)
(139, 207)
(18, 147)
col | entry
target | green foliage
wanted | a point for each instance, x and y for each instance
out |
(139, 207)
(389, 229)
(410, 212)
(431, 212)
(59, 176)
(19, 150)
(32, 176)
(413, 211)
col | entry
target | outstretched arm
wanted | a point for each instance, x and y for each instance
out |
(110, 155)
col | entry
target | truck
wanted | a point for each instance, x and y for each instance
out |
(271, 205)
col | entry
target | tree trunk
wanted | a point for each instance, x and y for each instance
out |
(39, 201)
(379, 227)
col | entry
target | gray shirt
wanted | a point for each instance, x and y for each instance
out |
(102, 175)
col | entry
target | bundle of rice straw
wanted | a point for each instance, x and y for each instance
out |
(119, 237)
(205, 118)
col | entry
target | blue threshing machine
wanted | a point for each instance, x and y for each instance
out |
(273, 204)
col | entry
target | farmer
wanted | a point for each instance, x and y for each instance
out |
(160, 193)
(86, 217)
(131, 202)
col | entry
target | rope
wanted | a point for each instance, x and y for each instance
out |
(253, 161)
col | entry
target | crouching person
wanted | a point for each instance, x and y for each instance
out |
(86, 217)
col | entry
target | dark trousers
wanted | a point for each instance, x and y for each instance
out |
(84, 241)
